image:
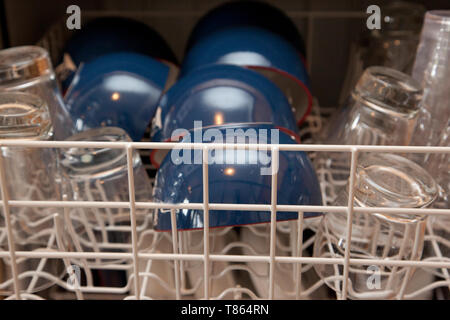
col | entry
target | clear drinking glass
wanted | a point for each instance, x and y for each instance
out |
(382, 180)
(29, 69)
(93, 174)
(395, 44)
(432, 72)
(433, 126)
(381, 110)
(393, 50)
(31, 174)
(438, 165)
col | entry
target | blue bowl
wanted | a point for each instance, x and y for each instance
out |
(120, 90)
(261, 50)
(221, 94)
(106, 35)
(248, 13)
(246, 46)
(235, 180)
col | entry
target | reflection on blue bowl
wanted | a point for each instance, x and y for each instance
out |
(221, 94)
(248, 13)
(120, 90)
(235, 177)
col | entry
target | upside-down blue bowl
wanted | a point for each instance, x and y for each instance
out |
(260, 50)
(234, 177)
(106, 35)
(221, 94)
(248, 13)
(216, 95)
(120, 90)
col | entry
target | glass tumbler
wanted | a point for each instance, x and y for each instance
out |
(438, 165)
(29, 69)
(382, 180)
(431, 70)
(100, 174)
(394, 50)
(31, 174)
(382, 110)
(395, 44)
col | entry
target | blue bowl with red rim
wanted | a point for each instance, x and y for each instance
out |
(216, 95)
(260, 50)
(120, 90)
(234, 177)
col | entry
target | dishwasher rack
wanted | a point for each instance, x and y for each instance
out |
(181, 265)
(194, 254)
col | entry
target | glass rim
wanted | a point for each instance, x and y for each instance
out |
(438, 16)
(409, 172)
(23, 63)
(436, 27)
(98, 132)
(24, 116)
(395, 74)
(402, 89)
(89, 163)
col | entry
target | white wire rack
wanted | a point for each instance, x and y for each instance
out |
(271, 261)
(281, 245)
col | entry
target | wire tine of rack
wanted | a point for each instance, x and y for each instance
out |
(414, 255)
(273, 220)
(134, 238)
(7, 213)
(228, 258)
(298, 266)
(354, 161)
(42, 263)
(402, 249)
(76, 242)
(182, 241)
(59, 239)
(173, 220)
(198, 146)
(224, 206)
(205, 220)
(438, 253)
